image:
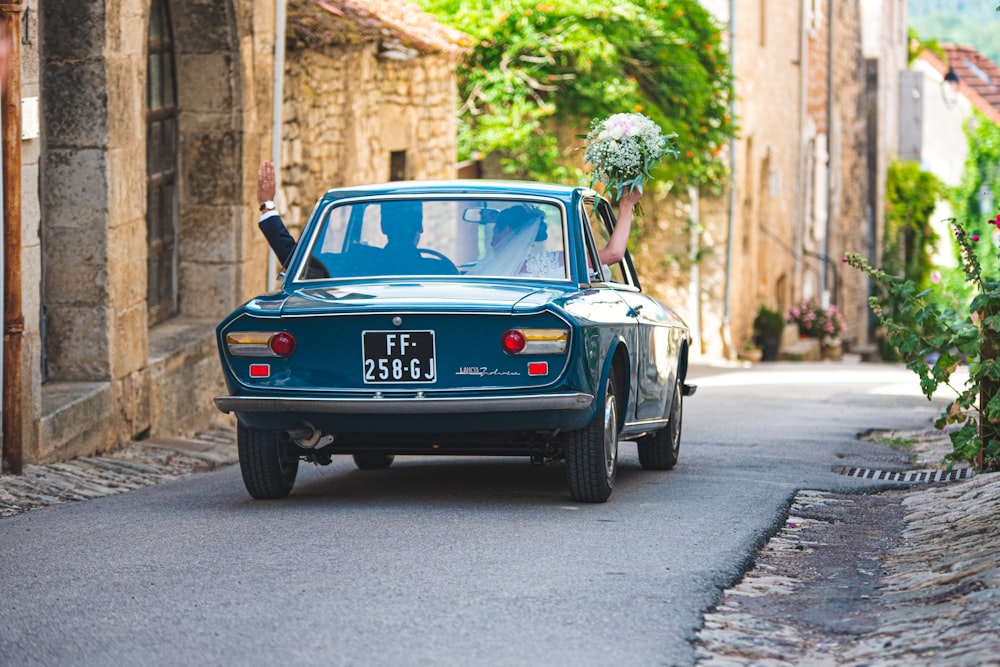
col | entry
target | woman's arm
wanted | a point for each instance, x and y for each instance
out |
(615, 250)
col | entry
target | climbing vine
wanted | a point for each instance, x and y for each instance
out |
(979, 193)
(911, 195)
(536, 67)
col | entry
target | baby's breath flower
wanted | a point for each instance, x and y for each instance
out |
(623, 149)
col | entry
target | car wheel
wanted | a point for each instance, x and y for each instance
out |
(268, 467)
(592, 453)
(371, 461)
(659, 450)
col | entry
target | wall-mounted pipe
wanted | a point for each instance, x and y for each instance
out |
(13, 316)
(728, 349)
(276, 118)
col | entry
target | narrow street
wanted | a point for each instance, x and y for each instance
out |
(449, 561)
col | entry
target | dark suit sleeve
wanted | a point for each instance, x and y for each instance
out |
(278, 238)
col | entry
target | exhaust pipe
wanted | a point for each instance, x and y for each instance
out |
(308, 436)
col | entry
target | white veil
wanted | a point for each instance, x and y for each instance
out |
(508, 256)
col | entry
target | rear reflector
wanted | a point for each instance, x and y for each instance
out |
(538, 368)
(260, 370)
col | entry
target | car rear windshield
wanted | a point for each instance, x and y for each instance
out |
(506, 238)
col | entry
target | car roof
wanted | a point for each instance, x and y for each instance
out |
(478, 187)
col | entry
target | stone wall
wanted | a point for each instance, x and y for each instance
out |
(768, 212)
(347, 110)
(102, 360)
(100, 375)
(851, 221)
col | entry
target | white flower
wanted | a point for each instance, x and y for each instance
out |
(623, 149)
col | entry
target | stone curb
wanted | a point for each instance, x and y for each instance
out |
(141, 463)
(936, 596)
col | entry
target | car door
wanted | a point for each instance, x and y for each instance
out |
(652, 347)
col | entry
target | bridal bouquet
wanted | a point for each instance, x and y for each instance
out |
(623, 149)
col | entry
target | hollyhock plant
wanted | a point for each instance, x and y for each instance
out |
(945, 338)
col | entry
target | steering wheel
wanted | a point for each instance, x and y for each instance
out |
(440, 257)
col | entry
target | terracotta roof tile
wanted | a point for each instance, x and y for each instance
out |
(978, 76)
(398, 26)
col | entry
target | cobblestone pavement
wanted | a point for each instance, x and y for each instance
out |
(908, 577)
(904, 577)
(142, 463)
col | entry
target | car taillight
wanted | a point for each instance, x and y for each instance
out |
(513, 341)
(260, 343)
(535, 341)
(282, 344)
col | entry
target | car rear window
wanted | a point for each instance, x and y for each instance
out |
(506, 238)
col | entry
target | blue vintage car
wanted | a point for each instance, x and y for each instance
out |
(455, 317)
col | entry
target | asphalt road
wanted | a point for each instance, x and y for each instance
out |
(443, 561)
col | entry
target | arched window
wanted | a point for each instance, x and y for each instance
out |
(161, 167)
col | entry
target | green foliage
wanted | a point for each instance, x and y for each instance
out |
(908, 241)
(981, 176)
(536, 66)
(768, 322)
(934, 340)
(911, 195)
(915, 45)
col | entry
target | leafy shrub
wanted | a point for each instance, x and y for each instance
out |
(768, 322)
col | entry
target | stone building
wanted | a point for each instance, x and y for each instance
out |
(370, 96)
(818, 122)
(138, 189)
(939, 98)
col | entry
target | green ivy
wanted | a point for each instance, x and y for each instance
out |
(911, 195)
(908, 241)
(981, 175)
(537, 66)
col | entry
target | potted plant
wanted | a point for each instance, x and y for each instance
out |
(750, 351)
(823, 322)
(768, 326)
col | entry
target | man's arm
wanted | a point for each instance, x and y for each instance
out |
(270, 224)
(277, 236)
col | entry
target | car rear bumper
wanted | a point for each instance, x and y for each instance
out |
(415, 405)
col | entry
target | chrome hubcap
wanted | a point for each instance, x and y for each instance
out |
(675, 422)
(610, 435)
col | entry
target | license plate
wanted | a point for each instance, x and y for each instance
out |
(398, 356)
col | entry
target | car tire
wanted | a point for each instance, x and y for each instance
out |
(592, 453)
(268, 468)
(659, 450)
(373, 461)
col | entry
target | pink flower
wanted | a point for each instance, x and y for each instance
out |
(975, 317)
(975, 237)
(936, 277)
